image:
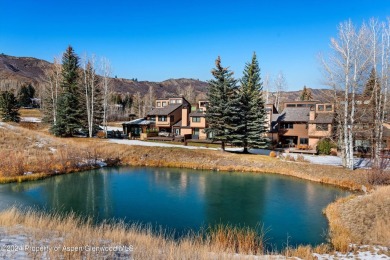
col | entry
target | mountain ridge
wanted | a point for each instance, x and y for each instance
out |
(16, 71)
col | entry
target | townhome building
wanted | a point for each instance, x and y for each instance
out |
(168, 112)
(302, 123)
(193, 121)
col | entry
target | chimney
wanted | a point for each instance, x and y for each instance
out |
(312, 114)
(184, 115)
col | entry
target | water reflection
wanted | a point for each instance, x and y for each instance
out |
(185, 199)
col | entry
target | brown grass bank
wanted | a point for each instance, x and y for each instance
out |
(53, 230)
(34, 151)
(362, 220)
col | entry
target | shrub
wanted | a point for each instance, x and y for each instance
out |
(324, 146)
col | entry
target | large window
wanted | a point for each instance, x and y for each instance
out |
(303, 140)
(286, 126)
(196, 119)
(164, 103)
(162, 118)
(322, 127)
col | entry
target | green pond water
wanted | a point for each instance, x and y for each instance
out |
(182, 199)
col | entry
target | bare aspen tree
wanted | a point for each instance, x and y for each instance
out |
(105, 72)
(345, 69)
(266, 86)
(89, 84)
(379, 51)
(53, 79)
(279, 86)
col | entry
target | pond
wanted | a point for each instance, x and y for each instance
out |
(182, 199)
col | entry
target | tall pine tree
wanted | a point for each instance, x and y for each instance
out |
(218, 113)
(9, 107)
(250, 128)
(69, 112)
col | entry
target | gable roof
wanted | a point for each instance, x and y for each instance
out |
(294, 114)
(164, 111)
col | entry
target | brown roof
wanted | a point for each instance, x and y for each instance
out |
(294, 114)
(325, 118)
(164, 111)
(197, 114)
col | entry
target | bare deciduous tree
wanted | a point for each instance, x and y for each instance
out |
(346, 70)
(280, 85)
(105, 72)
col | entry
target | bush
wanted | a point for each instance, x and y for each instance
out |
(324, 146)
(272, 154)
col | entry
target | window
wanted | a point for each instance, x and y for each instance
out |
(322, 127)
(173, 101)
(291, 105)
(196, 119)
(162, 118)
(320, 108)
(195, 131)
(178, 101)
(303, 140)
(301, 105)
(158, 104)
(152, 118)
(329, 108)
(164, 103)
(286, 126)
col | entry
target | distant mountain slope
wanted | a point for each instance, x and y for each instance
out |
(16, 71)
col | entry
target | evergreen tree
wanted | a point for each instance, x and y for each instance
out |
(218, 113)
(9, 107)
(306, 94)
(26, 93)
(370, 87)
(69, 113)
(249, 113)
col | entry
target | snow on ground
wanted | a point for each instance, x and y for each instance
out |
(143, 143)
(316, 159)
(361, 252)
(31, 119)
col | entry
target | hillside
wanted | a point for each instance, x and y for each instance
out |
(16, 71)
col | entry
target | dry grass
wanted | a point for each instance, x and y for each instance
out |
(27, 151)
(30, 113)
(38, 152)
(222, 242)
(361, 219)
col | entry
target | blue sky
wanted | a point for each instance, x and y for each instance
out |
(157, 40)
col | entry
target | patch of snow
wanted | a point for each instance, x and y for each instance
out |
(359, 252)
(31, 119)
